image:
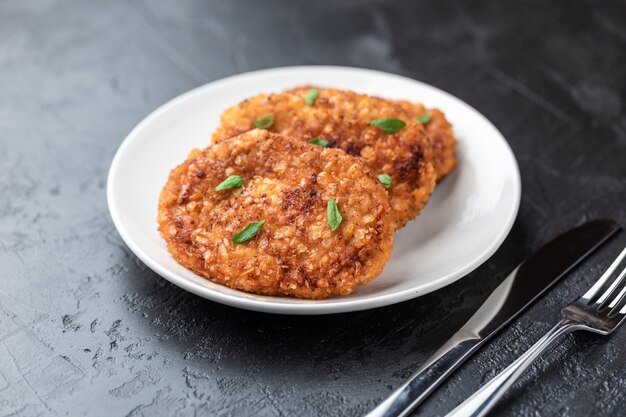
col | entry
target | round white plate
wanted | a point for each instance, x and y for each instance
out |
(465, 221)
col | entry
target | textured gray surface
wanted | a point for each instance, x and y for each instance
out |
(87, 329)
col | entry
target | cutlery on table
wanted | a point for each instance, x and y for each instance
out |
(600, 310)
(518, 290)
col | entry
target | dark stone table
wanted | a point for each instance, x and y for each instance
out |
(87, 329)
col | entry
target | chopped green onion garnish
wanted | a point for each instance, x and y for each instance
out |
(234, 181)
(319, 142)
(332, 214)
(385, 180)
(248, 232)
(311, 96)
(264, 122)
(389, 125)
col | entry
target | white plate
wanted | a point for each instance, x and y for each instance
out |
(466, 220)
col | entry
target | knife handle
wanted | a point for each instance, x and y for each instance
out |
(412, 392)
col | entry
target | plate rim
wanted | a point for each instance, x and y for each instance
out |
(304, 307)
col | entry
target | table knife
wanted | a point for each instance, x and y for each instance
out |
(519, 289)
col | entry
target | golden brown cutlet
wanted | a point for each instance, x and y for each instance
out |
(287, 184)
(343, 118)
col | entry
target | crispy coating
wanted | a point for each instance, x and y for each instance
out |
(287, 184)
(344, 119)
(440, 135)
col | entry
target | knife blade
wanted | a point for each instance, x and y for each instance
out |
(516, 292)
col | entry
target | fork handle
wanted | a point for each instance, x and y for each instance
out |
(484, 399)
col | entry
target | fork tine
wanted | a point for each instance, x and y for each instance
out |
(617, 301)
(592, 292)
(609, 291)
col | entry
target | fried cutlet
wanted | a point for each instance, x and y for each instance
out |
(289, 186)
(344, 119)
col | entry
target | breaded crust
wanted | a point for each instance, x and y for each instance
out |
(288, 185)
(440, 135)
(344, 119)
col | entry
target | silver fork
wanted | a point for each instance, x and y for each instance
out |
(600, 310)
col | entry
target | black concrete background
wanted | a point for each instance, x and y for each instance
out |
(87, 329)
